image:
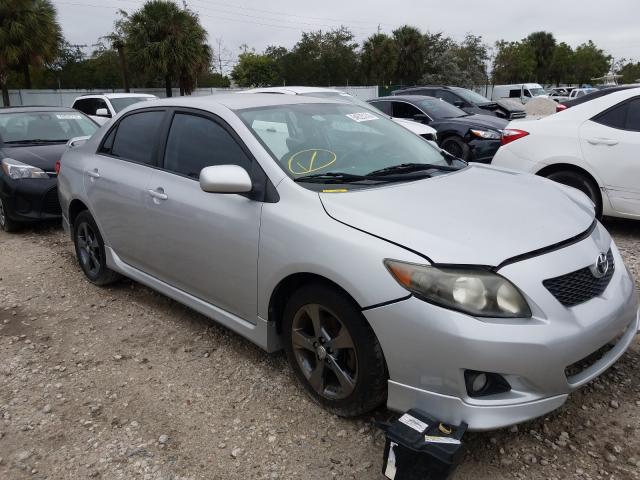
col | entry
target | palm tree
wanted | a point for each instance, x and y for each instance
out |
(118, 43)
(168, 41)
(29, 36)
(410, 45)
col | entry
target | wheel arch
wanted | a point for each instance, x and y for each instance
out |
(559, 167)
(75, 207)
(289, 285)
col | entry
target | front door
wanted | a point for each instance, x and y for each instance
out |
(205, 244)
(611, 145)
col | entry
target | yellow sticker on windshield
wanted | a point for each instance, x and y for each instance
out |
(312, 160)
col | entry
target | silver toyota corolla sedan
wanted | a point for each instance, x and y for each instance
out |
(386, 269)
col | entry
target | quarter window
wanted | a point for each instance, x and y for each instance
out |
(633, 115)
(405, 110)
(615, 117)
(197, 142)
(136, 136)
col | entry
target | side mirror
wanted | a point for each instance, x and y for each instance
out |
(102, 112)
(77, 141)
(421, 117)
(458, 103)
(225, 179)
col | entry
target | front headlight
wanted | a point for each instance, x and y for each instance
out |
(476, 292)
(486, 134)
(17, 170)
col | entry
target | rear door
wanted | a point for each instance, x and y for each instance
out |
(202, 243)
(117, 180)
(611, 145)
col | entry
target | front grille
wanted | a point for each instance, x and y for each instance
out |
(50, 202)
(579, 286)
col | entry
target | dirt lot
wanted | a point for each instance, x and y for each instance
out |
(125, 383)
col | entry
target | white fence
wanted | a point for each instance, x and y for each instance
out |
(64, 98)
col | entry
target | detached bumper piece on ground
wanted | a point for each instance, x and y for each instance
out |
(419, 447)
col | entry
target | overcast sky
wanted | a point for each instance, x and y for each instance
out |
(613, 25)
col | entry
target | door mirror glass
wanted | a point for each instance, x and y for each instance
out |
(225, 179)
(102, 112)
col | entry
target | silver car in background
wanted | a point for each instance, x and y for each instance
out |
(387, 269)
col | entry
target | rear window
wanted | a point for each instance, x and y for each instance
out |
(52, 127)
(136, 136)
(123, 102)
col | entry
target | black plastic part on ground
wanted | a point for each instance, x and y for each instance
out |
(420, 447)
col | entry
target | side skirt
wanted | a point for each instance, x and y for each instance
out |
(262, 333)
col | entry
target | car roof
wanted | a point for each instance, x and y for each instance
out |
(35, 108)
(234, 101)
(410, 98)
(292, 90)
(597, 94)
(116, 95)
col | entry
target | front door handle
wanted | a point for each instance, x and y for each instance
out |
(602, 141)
(93, 174)
(158, 194)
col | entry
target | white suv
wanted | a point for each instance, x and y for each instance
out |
(103, 106)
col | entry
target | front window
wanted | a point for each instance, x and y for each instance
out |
(536, 92)
(44, 127)
(437, 108)
(123, 102)
(336, 139)
(471, 96)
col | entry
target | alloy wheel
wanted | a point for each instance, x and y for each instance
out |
(88, 249)
(324, 351)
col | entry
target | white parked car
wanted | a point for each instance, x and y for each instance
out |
(103, 106)
(519, 91)
(319, 92)
(594, 147)
(580, 92)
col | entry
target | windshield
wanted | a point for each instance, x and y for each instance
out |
(437, 108)
(44, 126)
(123, 102)
(471, 96)
(308, 139)
(536, 92)
(343, 96)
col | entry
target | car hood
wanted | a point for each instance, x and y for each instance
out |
(481, 215)
(477, 121)
(41, 156)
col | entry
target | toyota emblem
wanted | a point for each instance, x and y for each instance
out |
(601, 267)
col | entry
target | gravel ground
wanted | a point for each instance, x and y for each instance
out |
(125, 383)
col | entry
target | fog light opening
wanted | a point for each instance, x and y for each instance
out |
(482, 384)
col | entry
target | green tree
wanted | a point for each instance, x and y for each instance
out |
(411, 50)
(255, 70)
(561, 65)
(590, 62)
(514, 62)
(167, 41)
(378, 58)
(29, 37)
(117, 39)
(630, 72)
(543, 45)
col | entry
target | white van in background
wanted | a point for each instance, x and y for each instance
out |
(519, 91)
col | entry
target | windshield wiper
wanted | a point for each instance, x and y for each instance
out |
(331, 177)
(35, 140)
(409, 168)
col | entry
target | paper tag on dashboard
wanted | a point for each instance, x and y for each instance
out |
(68, 116)
(390, 471)
(362, 116)
(413, 422)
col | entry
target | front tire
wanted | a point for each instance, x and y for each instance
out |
(6, 224)
(90, 250)
(456, 147)
(333, 351)
(581, 182)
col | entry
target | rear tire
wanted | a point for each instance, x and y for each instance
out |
(6, 224)
(333, 351)
(90, 250)
(456, 147)
(581, 182)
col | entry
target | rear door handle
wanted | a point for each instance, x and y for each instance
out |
(602, 141)
(93, 173)
(158, 194)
